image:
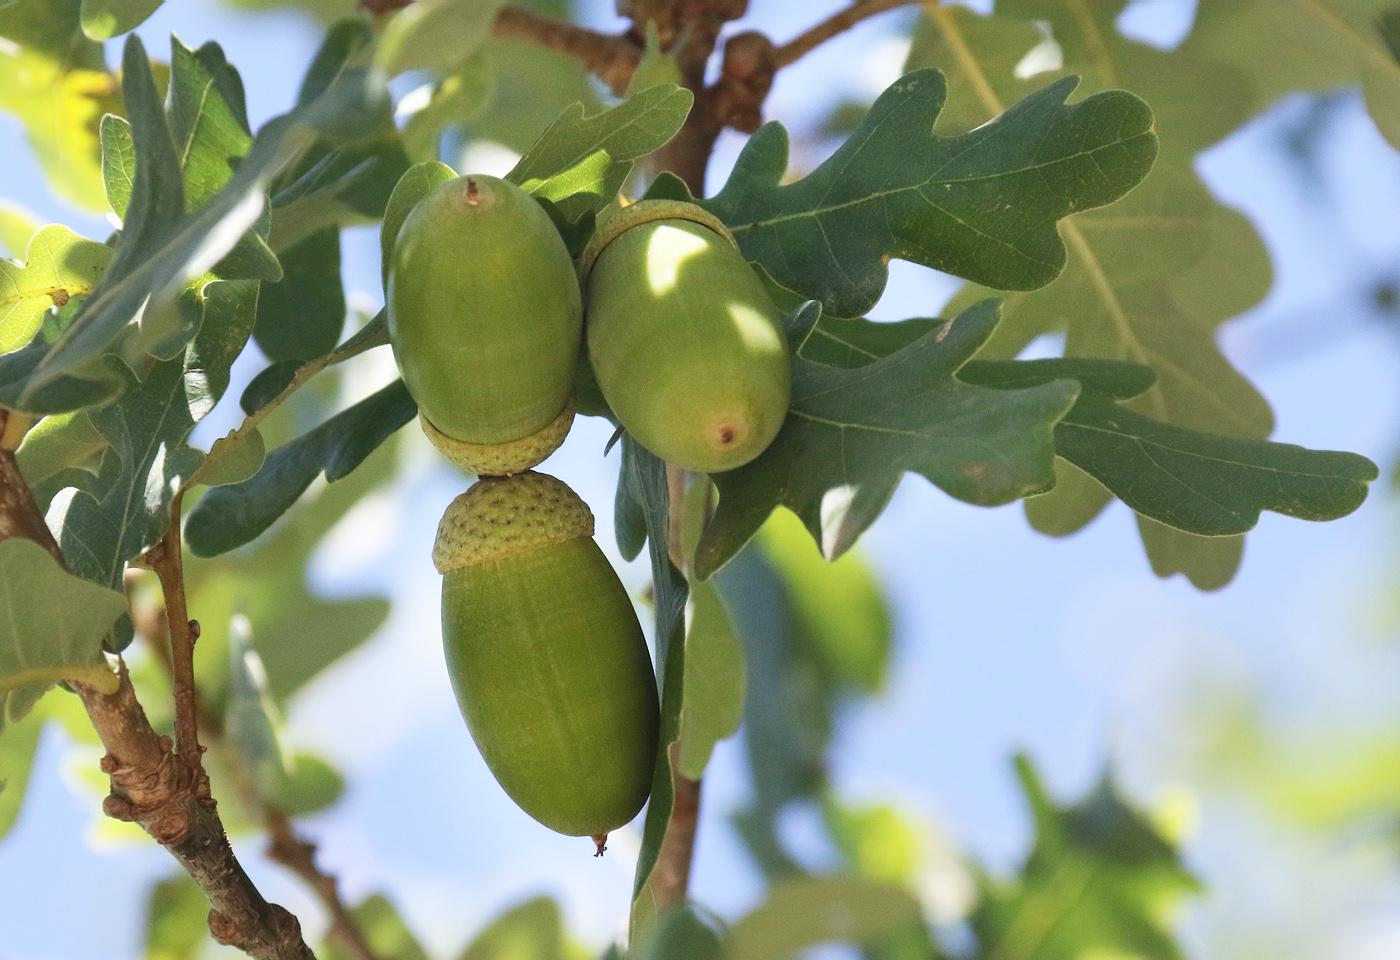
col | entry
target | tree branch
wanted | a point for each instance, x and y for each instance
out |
(167, 560)
(611, 59)
(833, 26)
(155, 788)
(284, 845)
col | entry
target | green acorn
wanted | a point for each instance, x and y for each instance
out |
(485, 318)
(683, 337)
(546, 655)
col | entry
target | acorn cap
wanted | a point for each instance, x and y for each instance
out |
(502, 516)
(502, 459)
(617, 222)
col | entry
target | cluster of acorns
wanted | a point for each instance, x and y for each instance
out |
(486, 314)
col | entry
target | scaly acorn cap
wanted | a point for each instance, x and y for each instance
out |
(502, 459)
(504, 516)
(617, 222)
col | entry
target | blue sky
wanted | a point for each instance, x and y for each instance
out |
(1006, 640)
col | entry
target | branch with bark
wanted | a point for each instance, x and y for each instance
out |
(157, 788)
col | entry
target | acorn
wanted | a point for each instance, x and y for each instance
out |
(684, 339)
(486, 322)
(546, 655)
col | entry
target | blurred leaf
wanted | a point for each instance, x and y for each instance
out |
(788, 708)
(1208, 562)
(17, 225)
(309, 785)
(530, 88)
(251, 719)
(1196, 99)
(300, 633)
(105, 19)
(1151, 277)
(59, 265)
(851, 434)
(177, 920)
(1287, 45)
(534, 930)
(412, 187)
(387, 934)
(982, 206)
(231, 516)
(327, 11)
(656, 67)
(714, 679)
(685, 932)
(839, 605)
(434, 34)
(18, 741)
(806, 911)
(877, 841)
(52, 627)
(56, 84)
(1077, 499)
(301, 316)
(454, 100)
(580, 163)
(642, 482)
(1100, 879)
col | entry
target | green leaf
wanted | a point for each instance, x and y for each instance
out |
(300, 632)
(58, 443)
(386, 932)
(55, 82)
(806, 911)
(714, 679)
(1208, 562)
(59, 265)
(838, 605)
(177, 920)
(233, 458)
(251, 718)
(18, 741)
(453, 101)
(118, 162)
(301, 316)
(530, 88)
(1196, 100)
(413, 186)
(656, 66)
(434, 34)
(309, 785)
(1151, 277)
(230, 516)
(1100, 880)
(127, 509)
(17, 225)
(51, 628)
(1200, 483)
(982, 206)
(877, 841)
(850, 435)
(642, 482)
(685, 932)
(533, 930)
(580, 163)
(105, 19)
(153, 276)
